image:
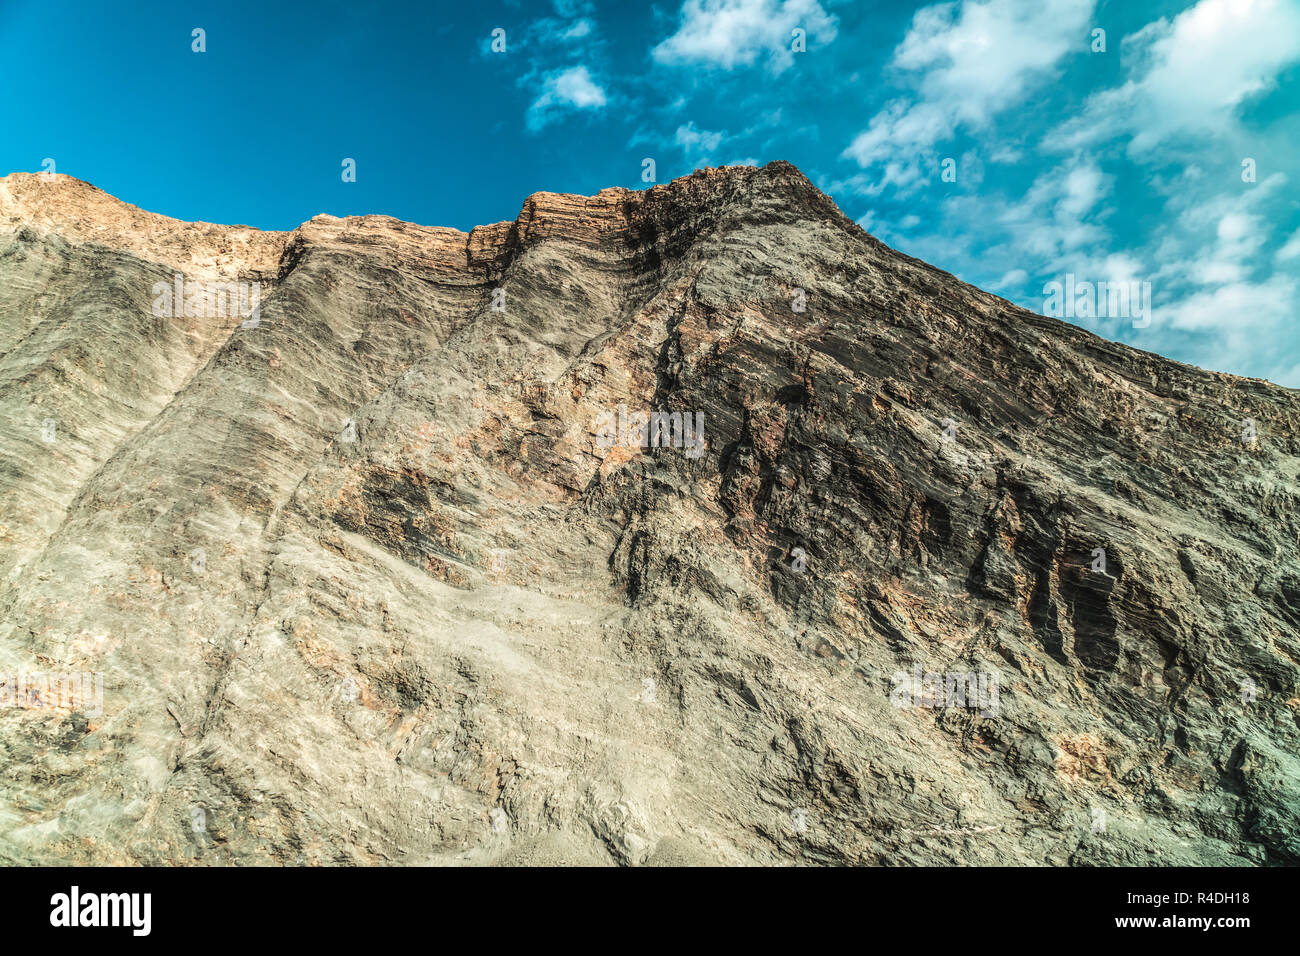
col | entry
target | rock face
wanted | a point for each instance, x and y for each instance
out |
(384, 574)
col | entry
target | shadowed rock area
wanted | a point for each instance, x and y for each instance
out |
(378, 577)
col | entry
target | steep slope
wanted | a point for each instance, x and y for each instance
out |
(368, 582)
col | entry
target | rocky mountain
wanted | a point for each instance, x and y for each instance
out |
(356, 544)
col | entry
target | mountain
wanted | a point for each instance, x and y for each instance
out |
(351, 550)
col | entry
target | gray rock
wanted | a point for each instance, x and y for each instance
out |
(375, 576)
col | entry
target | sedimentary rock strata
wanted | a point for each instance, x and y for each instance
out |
(368, 578)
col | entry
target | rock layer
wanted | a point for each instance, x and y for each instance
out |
(369, 583)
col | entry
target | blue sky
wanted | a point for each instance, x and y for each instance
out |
(1123, 164)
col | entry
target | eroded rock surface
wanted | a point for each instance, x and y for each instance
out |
(367, 582)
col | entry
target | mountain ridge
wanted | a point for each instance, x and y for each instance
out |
(367, 582)
(486, 234)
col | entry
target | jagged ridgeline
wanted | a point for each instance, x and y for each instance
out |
(691, 525)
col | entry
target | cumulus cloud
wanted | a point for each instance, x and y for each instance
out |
(1236, 306)
(1190, 76)
(967, 61)
(731, 33)
(977, 58)
(1059, 218)
(1290, 249)
(692, 139)
(1215, 238)
(564, 91)
(551, 30)
(1011, 280)
(577, 30)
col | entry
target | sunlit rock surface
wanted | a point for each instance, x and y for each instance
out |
(383, 575)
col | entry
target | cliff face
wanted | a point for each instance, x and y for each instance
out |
(382, 572)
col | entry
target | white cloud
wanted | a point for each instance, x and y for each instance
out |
(900, 128)
(1223, 281)
(730, 33)
(1058, 218)
(1190, 75)
(692, 139)
(1012, 280)
(575, 87)
(1290, 250)
(1215, 238)
(577, 30)
(969, 61)
(1084, 185)
(1243, 327)
(550, 31)
(1238, 237)
(1237, 306)
(562, 91)
(977, 58)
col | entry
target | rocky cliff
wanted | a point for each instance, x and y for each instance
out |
(397, 568)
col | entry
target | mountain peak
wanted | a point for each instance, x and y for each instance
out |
(686, 524)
